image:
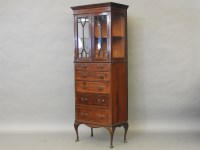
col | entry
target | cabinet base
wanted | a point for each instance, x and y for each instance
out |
(111, 130)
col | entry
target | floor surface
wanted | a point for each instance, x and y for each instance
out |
(100, 141)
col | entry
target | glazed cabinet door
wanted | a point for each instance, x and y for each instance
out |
(82, 37)
(100, 36)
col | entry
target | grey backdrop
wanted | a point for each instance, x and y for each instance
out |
(36, 64)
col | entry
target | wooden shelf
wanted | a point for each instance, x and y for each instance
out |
(103, 37)
(118, 37)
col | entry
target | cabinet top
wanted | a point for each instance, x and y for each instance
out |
(109, 4)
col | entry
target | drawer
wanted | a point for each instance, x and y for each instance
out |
(80, 75)
(95, 99)
(92, 67)
(93, 115)
(92, 87)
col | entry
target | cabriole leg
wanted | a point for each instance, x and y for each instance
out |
(76, 125)
(91, 132)
(111, 130)
(125, 125)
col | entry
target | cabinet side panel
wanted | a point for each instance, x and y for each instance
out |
(119, 93)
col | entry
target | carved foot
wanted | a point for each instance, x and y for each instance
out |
(76, 125)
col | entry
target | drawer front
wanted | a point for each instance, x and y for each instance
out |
(93, 115)
(92, 67)
(92, 76)
(92, 87)
(100, 100)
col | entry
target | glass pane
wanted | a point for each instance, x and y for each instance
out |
(100, 27)
(83, 37)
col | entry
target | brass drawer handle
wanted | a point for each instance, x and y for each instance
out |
(100, 66)
(84, 99)
(83, 86)
(100, 100)
(84, 66)
(100, 88)
(84, 75)
(84, 114)
(100, 76)
(101, 116)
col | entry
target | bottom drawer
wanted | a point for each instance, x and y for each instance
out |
(93, 116)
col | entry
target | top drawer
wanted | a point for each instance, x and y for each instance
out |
(92, 66)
